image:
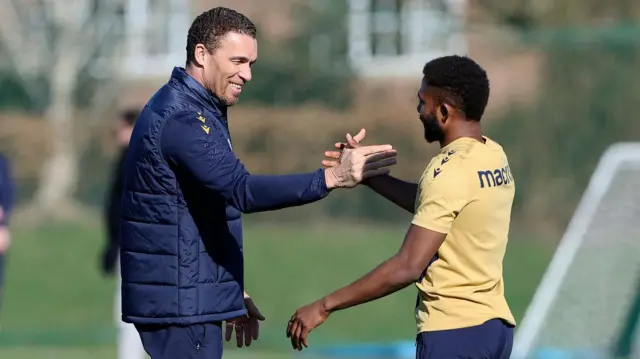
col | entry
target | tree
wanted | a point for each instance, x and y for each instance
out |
(589, 83)
(309, 67)
(52, 44)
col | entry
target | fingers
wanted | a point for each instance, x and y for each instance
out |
(292, 332)
(360, 136)
(328, 164)
(255, 329)
(297, 335)
(239, 334)
(352, 143)
(374, 165)
(303, 338)
(333, 154)
(228, 330)
(381, 155)
(289, 327)
(375, 173)
(333, 157)
(253, 311)
(259, 316)
(248, 333)
(368, 150)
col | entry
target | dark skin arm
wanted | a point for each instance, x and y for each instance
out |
(396, 273)
(400, 192)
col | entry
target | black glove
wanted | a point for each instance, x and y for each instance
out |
(109, 259)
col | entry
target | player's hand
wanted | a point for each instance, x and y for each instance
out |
(303, 322)
(352, 142)
(247, 327)
(359, 164)
(5, 239)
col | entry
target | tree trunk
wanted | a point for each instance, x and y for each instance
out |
(60, 170)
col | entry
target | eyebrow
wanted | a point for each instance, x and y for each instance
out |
(242, 58)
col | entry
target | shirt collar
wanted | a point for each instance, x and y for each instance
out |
(180, 75)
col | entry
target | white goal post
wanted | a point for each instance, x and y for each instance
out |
(580, 286)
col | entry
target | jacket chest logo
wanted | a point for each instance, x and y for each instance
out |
(207, 128)
(204, 121)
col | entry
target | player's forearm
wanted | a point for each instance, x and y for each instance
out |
(389, 277)
(400, 192)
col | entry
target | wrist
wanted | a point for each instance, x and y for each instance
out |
(325, 304)
(330, 179)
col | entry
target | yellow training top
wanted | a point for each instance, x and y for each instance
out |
(466, 192)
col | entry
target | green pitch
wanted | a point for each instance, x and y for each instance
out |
(57, 304)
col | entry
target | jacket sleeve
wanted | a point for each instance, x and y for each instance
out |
(209, 159)
(7, 188)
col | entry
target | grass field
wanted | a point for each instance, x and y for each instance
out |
(58, 305)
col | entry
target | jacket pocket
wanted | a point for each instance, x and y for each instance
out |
(196, 334)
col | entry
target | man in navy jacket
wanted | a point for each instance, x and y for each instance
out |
(181, 246)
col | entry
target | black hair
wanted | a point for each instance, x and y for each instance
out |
(210, 26)
(129, 116)
(461, 81)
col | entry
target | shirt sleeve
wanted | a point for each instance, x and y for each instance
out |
(440, 198)
(206, 157)
(7, 189)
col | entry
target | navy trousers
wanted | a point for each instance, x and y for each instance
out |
(198, 341)
(491, 340)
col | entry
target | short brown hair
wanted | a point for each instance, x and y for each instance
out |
(210, 26)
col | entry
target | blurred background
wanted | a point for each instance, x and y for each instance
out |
(565, 84)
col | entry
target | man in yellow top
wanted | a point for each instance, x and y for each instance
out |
(456, 243)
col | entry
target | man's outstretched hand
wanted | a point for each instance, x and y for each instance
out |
(356, 163)
(247, 327)
(303, 321)
(351, 142)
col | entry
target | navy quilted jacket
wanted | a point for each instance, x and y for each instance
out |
(181, 255)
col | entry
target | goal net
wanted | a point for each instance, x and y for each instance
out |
(588, 302)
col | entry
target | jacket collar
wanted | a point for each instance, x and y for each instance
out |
(180, 75)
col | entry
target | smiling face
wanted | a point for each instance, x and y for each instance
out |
(227, 69)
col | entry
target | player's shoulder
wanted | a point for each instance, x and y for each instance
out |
(446, 168)
(490, 167)
(481, 154)
(459, 163)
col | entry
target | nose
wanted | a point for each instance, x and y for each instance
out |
(245, 73)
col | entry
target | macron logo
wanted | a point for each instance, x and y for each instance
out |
(436, 172)
(497, 177)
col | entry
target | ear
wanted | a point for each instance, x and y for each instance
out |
(199, 54)
(445, 111)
